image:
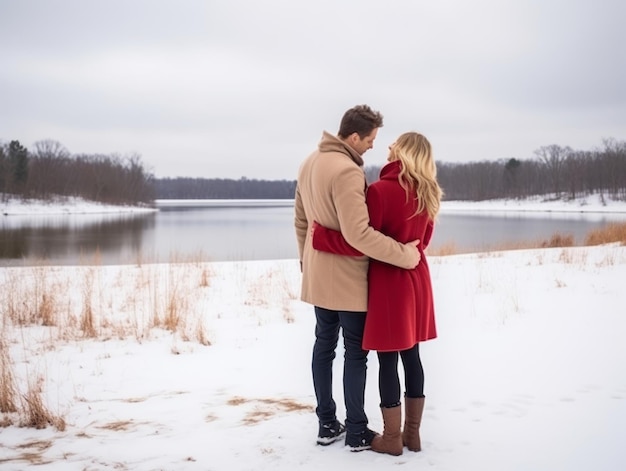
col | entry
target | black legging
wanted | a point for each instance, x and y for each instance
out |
(389, 380)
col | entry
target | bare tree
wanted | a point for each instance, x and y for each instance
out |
(48, 169)
(613, 164)
(553, 157)
(48, 148)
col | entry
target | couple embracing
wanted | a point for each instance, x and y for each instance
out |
(364, 270)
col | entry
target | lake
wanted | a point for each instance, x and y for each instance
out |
(235, 230)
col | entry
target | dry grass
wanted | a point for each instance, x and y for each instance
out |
(118, 426)
(615, 232)
(266, 408)
(31, 452)
(44, 297)
(448, 248)
(270, 289)
(205, 278)
(69, 306)
(8, 389)
(558, 240)
(610, 233)
(87, 321)
(35, 413)
(128, 305)
(66, 305)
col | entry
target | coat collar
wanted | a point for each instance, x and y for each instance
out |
(391, 171)
(330, 143)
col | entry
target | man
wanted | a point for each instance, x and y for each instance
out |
(331, 191)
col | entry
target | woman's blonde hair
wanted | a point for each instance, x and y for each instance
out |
(419, 172)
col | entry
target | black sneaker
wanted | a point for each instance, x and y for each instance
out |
(360, 441)
(330, 433)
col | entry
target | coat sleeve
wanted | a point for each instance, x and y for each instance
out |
(329, 240)
(348, 189)
(300, 222)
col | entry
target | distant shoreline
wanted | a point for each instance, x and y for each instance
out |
(589, 204)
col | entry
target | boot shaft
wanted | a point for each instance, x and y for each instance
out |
(412, 422)
(390, 442)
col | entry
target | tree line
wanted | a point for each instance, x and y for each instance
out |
(222, 188)
(554, 170)
(50, 170)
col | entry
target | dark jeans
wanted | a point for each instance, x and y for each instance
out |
(354, 368)
(389, 381)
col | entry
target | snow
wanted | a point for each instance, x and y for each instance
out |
(10, 206)
(594, 203)
(527, 372)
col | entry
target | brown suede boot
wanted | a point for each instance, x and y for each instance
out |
(412, 421)
(390, 441)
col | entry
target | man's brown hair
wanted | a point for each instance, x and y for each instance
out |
(360, 119)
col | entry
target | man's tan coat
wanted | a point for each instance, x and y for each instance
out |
(331, 190)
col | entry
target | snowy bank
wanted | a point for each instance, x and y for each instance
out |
(71, 205)
(591, 204)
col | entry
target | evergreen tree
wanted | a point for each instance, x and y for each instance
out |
(18, 160)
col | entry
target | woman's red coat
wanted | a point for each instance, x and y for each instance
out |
(400, 309)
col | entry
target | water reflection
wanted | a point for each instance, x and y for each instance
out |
(244, 230)
(73, 239)
(478, 230)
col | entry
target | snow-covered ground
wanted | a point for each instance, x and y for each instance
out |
(589, 204)
(527, 372)
(17, 207)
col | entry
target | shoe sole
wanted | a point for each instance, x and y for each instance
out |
(356, 449)
(330, 440)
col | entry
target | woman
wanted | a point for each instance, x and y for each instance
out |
(403, 204)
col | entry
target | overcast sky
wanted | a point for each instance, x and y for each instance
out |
(244, 88)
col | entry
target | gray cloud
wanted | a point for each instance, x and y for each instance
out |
(230, 88)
